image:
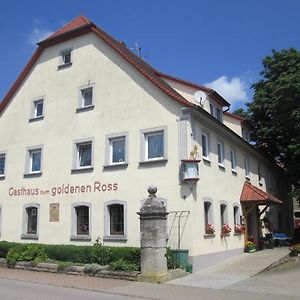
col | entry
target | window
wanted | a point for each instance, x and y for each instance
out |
(218, 114)
(87, 97)
(153, 145)
(30, 222)
(208, 217)
(34, 157)
(246, 134)
(84, 155)
(247, 166)
(205, 146)
(233, 159)
(38, 108)
(259, 172)
(115, 220)
(2, 164)
(236, 215)
(116, 149)
(65, 57)
(212, 109)
(224, 216)
(81, 222)
(221, 153)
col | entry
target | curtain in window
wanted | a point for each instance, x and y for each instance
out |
(31, 220)
(118, 151)
(155, 145)
(82, 220)
(85, 155)
(36, 161)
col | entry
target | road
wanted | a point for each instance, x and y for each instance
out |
(277, 284)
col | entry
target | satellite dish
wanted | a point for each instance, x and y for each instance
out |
(200, 97)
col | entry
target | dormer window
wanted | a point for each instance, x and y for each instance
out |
(215, 111)
(246, 134)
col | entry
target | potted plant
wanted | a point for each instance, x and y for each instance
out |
(225, 230)
(239, 229)
(210, 229)
(250, 247)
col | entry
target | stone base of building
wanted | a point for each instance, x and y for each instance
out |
(202, 261)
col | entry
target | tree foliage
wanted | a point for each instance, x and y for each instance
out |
(275, 111)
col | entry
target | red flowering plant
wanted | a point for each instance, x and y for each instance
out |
(238, 228)
(209, 229)
(225, 229)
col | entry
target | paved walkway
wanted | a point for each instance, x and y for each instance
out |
(233, 269)
(208, 284)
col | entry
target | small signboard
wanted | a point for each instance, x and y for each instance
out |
(54, 212)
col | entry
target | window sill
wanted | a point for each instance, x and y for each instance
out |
(2, 177)
(115, 238)
(221, 166)
(116, 166)
(206, 160)
(237, 234)
(60, 67)
(247, 178)
(154, 161)
(234, 172)
(82, 170)
(225, 235)
(32, 175)
(260, 184)
(81, 238)
(209, 235)
(28, 236)
(31, 120)
(85, 108)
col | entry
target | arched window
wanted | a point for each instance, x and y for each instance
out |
(115, 220)
(81, 221)
(223, 213)
(208, 217)
(30, 226)
(236, 215)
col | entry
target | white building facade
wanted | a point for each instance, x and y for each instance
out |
(88, 126)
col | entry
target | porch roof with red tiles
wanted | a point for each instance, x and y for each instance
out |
(253, 195)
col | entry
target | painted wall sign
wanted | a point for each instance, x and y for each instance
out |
(96, 187)
(54, 212)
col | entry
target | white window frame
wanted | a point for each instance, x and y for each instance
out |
(233, 160)
(29, 160)
(247, 166)
(80, 98)
(35, 104)
(3, 155)
(109, 139)
(212, 109)
(145, 133)
(205, 136)
(221, 155)
(219, 116)
(74, 234)
(25, 234)
(107, 235)
(62, 55)
(76, 154)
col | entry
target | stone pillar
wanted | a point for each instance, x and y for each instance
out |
(153, 229)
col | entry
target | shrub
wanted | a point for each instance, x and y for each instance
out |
(101, 254)
(170, 259)
(92, 269)
(123, 265)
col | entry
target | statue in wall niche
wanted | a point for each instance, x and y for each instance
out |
(194, 153)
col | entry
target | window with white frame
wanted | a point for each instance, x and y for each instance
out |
(212, 109)
(208, 217)
(65, 57)
(30, 221)
(2, 164)
(115, 220)
(236, 215)
(84, 155)
(86, 97)
(233, 159)
(205, 145)
(38, 108)
(223, 214)
(81, 221)
(34, 160)
(219, 114)
(116, 149)
(153, 145)
(247, 166)
(221, 153)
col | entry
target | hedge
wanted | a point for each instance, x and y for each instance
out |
(98, 253)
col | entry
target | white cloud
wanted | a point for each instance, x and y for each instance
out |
(38, 35)
(233, 90)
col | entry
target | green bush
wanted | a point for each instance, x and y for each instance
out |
(123, 265)
(92, 269)
(30, 252)
(170, 259)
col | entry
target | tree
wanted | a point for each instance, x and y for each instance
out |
(275, 111)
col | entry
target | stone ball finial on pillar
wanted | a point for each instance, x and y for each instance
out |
(153, 229)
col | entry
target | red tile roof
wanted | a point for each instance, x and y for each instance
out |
(82, 25)
(252, 194)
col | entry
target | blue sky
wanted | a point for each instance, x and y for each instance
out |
(220, 44)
